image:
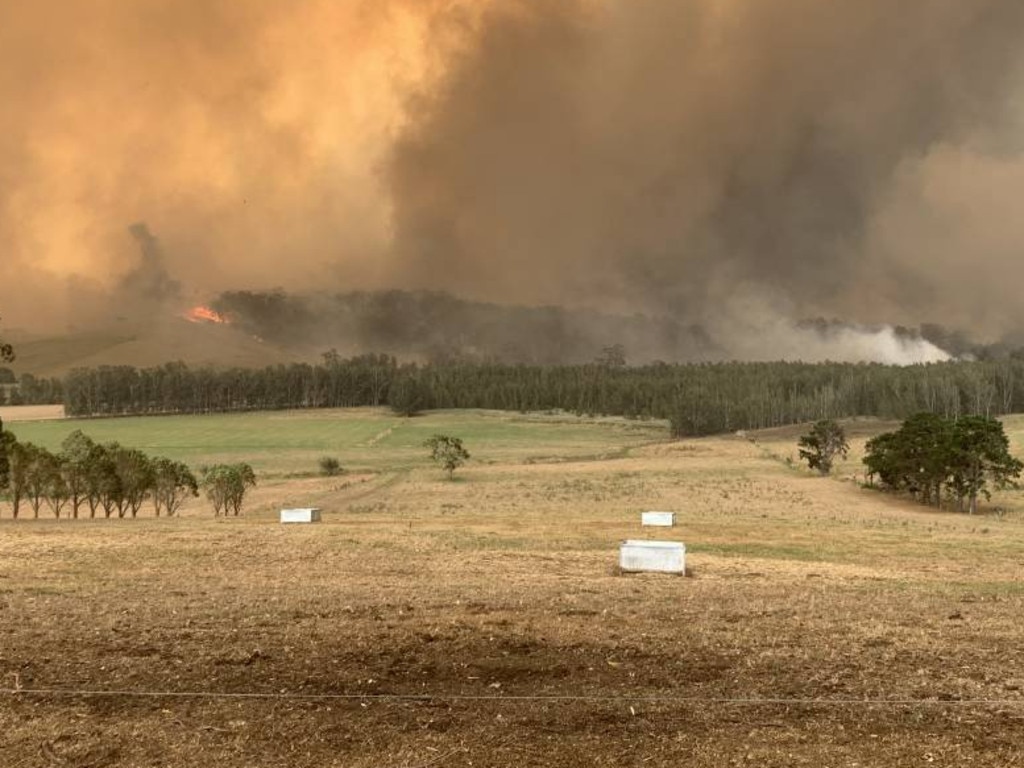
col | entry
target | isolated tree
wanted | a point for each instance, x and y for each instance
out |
(820, 447)
(173, 482)
(448, 452)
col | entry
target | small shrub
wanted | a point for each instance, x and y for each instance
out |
(330, 466)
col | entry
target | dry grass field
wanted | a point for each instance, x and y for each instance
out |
(11, 414)
(482, 621)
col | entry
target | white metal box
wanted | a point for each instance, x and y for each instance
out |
(659, 556)
(666, 519)
(301, 515)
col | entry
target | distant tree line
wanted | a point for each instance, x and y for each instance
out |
(28, 389)
(107, 480)
(697, 399)
(940, 460)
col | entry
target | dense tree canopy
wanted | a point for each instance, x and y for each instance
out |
(696, 399)
(935, 459)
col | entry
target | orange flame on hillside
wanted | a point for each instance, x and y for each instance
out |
(201, 314)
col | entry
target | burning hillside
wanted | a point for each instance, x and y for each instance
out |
(860, 159)
(204, 314)
(438, 326)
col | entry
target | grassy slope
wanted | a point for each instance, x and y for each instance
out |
(741, 497)
(292, 441)
(146, 346)
(502, 583)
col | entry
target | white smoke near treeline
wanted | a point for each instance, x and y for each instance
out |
(842, 343)
(852, 160)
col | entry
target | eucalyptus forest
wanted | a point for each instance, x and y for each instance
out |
(697, 399)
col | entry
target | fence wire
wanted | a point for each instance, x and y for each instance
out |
(499, 697)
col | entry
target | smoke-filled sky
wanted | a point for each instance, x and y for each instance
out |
(730, 162)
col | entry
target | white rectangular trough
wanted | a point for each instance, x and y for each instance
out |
(664, 519)
(300, 515)
(657, 556)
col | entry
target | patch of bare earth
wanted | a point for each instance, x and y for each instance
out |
(13, 413)
(481, 622)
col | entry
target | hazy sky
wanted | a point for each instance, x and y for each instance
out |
(721, 160)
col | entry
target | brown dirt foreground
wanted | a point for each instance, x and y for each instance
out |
(481, 623)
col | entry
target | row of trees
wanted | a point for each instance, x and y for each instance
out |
(110, 479)
(28, 389)
(697, 399)
(937, 460)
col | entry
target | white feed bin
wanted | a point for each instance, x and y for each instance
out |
(658, 556)
(664, 519)
(301, 515)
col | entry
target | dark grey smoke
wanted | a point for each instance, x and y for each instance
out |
(149, 283)
(686, 157)
(730, 164)
(435, 326)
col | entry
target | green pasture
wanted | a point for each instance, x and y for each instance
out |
(290, 442)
